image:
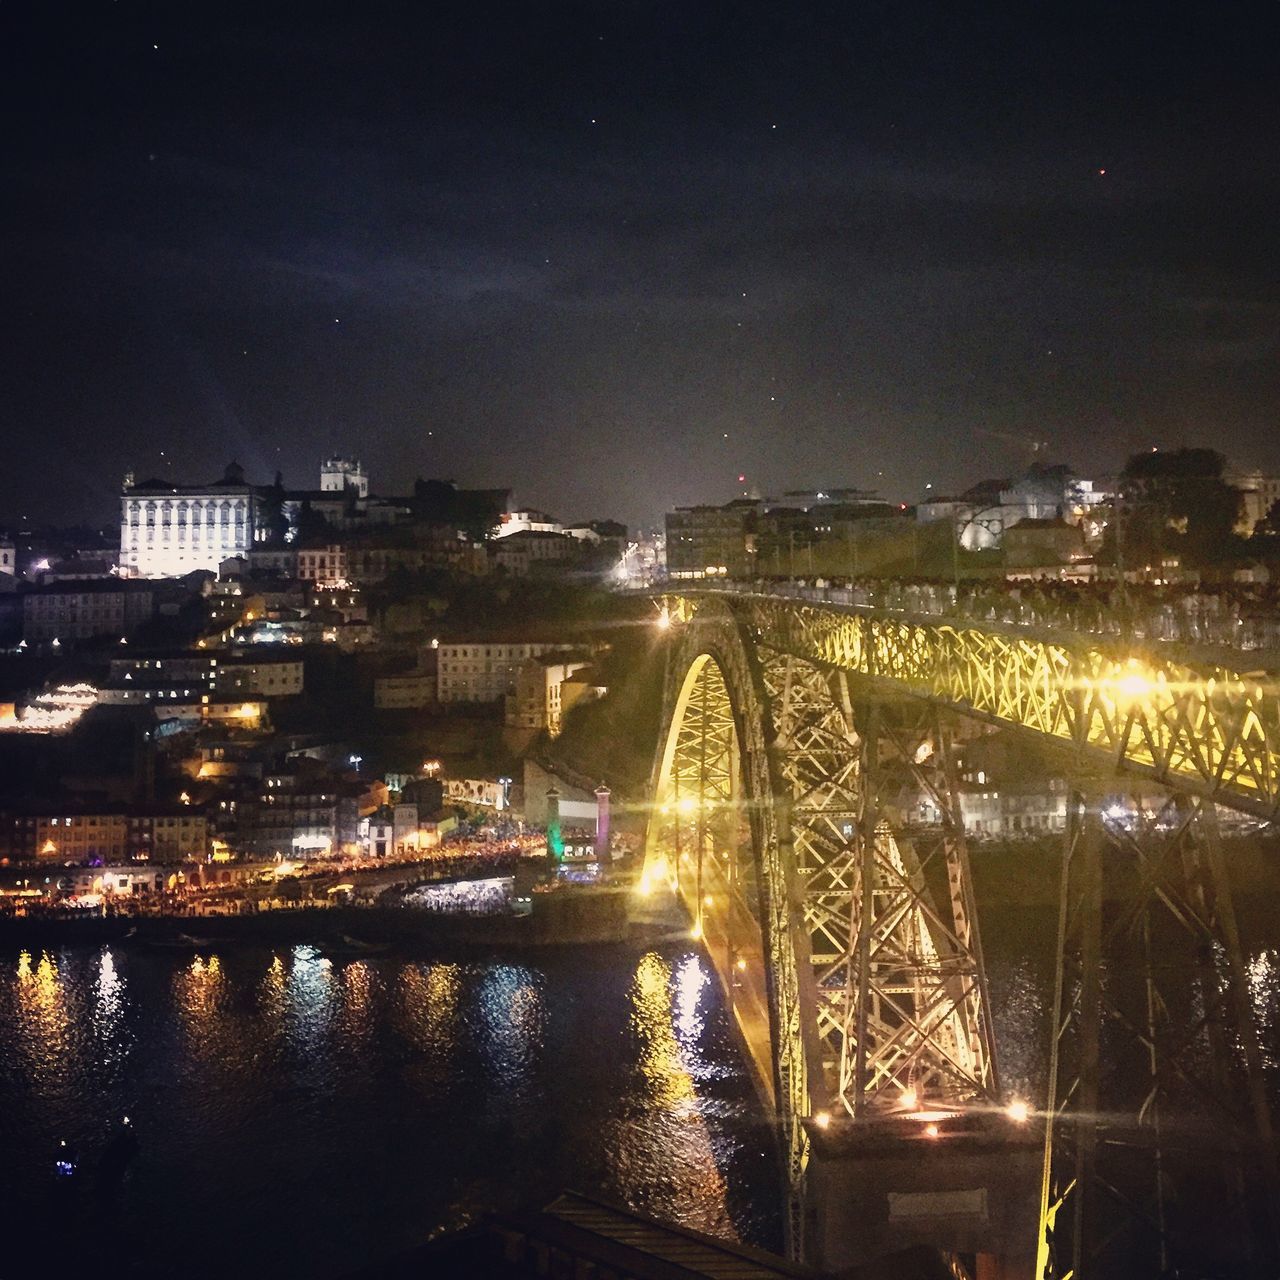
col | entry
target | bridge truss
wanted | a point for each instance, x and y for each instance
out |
(845, 933)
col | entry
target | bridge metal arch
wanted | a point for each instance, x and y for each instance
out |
(715, 755)
(854, 993)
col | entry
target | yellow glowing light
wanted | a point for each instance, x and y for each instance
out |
(910, 1099)
(1017, 1111)
(708, 900)
(247, 711)
(696, 931)
(645, 887)
(687, 804)
(822, 1119)
(663, 620)
(931, 1131)
(742, 964)
(1134, 685)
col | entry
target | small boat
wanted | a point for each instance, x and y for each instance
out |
(66, 1163)
(350, 947)
(180, 942)
(364, 946)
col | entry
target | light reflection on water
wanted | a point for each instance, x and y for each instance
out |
(384, 1099)
(1264, 991)
(666, 1158)
(46, 1034)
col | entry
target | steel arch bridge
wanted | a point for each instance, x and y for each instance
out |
(846, 939)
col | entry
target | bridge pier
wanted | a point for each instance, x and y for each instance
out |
(966, 1184)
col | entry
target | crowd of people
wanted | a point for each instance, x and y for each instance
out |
(468, 897)
(1237, 616)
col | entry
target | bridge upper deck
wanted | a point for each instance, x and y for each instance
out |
(1204, 717)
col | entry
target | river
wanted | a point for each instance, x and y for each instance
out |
(305, 1116)
(301, 1116)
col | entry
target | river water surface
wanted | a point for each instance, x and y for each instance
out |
(299, 1115)
(302, 1116)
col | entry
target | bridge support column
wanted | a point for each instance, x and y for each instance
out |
(1159, 1156)
(923, 1151)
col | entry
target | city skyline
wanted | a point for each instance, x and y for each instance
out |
(620, 258)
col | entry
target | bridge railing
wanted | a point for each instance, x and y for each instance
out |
(1190, 619)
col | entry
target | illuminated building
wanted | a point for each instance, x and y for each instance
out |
(168, 530)
(342, 475)
(59, 834)
(299, 815)
(182, 675)
(512, 522)
(1258, 494)
(537, 702)
(519, 554)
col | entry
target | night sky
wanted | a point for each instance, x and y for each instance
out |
(616, 254)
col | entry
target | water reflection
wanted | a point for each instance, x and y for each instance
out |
(667, 1160)
(1264, 991)
(309, 998)
(660, 1064)
(108, 1011)
(427, 1015)
(198, 992)
(44, 1029)
(510, 1014)
(359, 1006)
(405, 1097)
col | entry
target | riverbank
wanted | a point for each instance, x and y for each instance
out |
(580, 916)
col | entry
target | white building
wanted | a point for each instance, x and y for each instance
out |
(476, 672)
(527, 521)
(169, 530)
(413, 689)
(337, 475)
(1259, 493)
(326, 566)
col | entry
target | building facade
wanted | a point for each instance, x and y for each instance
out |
(69, 611)
(711, 542)
(536, 703)
(338, 475)
(58, 835)
(520, 554)
(482, 672)
(169, 530)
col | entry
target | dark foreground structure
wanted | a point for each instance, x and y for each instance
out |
(577, 1237)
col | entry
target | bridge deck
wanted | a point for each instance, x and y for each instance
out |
(1204, 719)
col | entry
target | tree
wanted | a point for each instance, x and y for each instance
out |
(1177, 503)
(1269, 525)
